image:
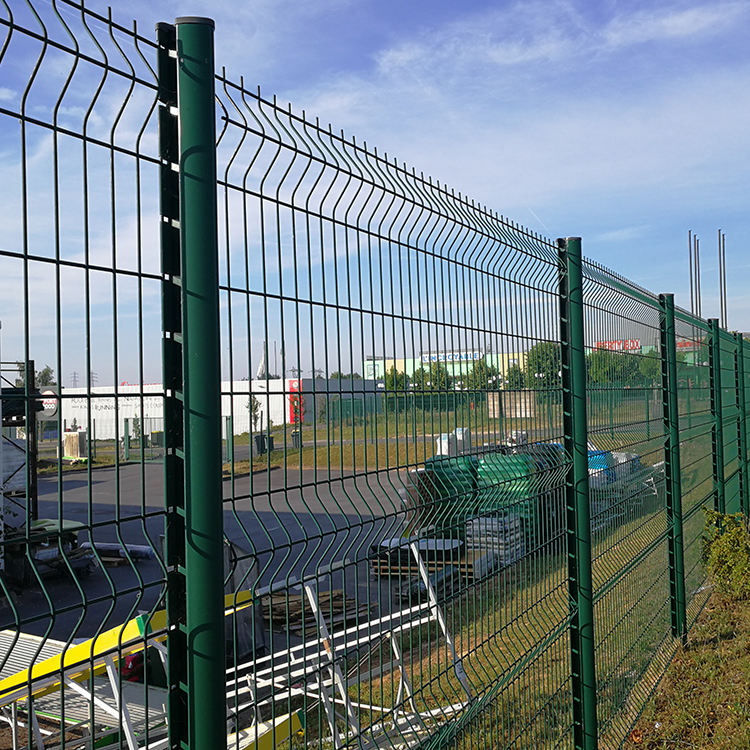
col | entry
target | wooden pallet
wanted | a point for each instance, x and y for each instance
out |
(294, 611)
(408, 569)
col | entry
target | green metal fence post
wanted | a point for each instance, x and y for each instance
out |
(580, 585)
(742, 423)
(204, 572)
(673, 484)
(717, 427)
(192, 382)
(648, 416)
(174, 469)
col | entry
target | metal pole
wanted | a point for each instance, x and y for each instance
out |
(724, 280)
(32, 449)
(692, 283)
(204, 568)
(717, 428)
(742, 423)
(580, 586)
(673, 484)
(698, 305)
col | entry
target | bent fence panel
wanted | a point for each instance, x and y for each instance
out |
(82, 581)
(390, 371)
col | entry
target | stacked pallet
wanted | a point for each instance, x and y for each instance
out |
(500, 535)
(293, 611)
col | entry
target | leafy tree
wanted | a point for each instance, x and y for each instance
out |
(650, 368)
(543, 365)
(515, 378)
(253, 406)
(45, 377)
(396, 385)
(395, 380)
(340, 376)
(434, 378)
(42, 378)
(607, 367)
(321, 408)
(481, 377)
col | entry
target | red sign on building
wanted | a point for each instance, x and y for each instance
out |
(295, 402)
(625, 345)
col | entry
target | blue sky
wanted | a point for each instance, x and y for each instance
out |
(623, 122)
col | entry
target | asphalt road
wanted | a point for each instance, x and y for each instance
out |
(296, 524)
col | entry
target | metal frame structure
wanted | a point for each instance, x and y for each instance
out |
(501, 491)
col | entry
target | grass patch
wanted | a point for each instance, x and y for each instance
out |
(704, 699)
(46, 466)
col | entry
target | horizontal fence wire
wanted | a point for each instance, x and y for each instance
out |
(400, 309)
(396, 519)
(82, 508)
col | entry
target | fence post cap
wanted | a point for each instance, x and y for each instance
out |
(195, 19)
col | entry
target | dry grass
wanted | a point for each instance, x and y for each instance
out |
(704, 698)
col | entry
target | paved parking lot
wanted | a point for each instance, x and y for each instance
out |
(295, 523)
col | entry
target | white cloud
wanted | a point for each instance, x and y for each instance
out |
(668, 24)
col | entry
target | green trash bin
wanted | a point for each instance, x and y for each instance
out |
(509, 485)
(452, 481)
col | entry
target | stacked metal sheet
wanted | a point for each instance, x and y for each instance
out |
(501, 535)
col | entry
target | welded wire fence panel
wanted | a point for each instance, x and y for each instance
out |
(728, 407)
(81, 334)
(626, 474)
(382, 339)
(402, 552)
(696, 450)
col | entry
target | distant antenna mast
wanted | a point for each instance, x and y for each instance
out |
(692, 276)
(694, 255)
(723, 313)
(74, 379)
(697, 264)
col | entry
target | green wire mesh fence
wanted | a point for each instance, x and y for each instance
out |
(446, 474)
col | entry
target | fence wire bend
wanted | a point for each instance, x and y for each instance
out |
(446, 473)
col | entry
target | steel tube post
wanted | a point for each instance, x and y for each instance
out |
(580, 585)
(204, 570)
(670, 409)
(717, 428)
(742, 423)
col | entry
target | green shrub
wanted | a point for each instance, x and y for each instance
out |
(726, 553)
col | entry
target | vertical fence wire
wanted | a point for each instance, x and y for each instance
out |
(396, 535)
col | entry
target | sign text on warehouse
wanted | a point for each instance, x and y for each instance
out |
(625, 345)
(451, 357)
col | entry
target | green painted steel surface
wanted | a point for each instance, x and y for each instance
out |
(580, 579)
(204, 523)
(339, 314)
(672, 474)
